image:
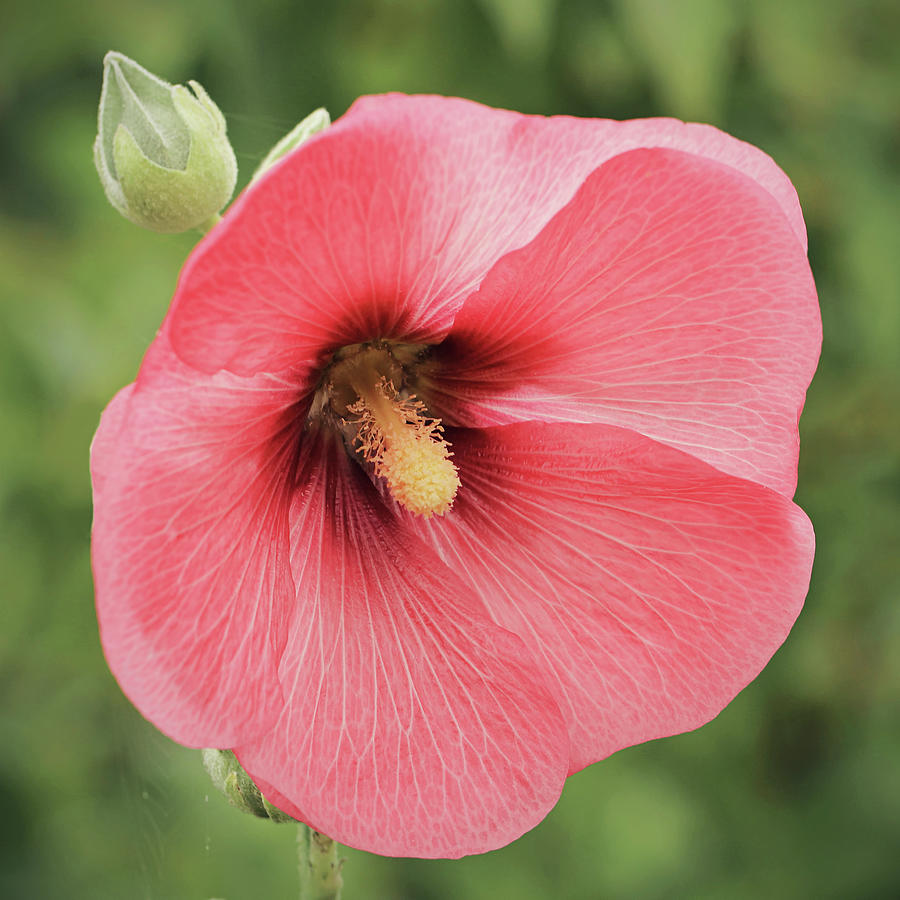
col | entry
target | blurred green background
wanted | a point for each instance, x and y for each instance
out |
(794, 791)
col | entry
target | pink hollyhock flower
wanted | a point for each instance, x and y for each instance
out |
(410, 636)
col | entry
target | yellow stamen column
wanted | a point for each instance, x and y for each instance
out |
(406, 448)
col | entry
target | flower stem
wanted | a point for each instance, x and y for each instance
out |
(207, 226)
(320, 868)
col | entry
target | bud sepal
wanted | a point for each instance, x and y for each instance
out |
(318, 120)
(229, 777)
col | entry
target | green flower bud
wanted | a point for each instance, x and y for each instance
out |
(237, 786)
(161, 151)
(315, 122)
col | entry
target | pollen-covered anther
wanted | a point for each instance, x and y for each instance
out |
(406, 448)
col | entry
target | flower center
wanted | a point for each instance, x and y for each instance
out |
(389, 429)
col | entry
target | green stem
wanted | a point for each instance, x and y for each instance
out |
(320, 868)
(209, 224)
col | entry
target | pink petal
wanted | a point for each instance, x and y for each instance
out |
(650, 586)
(670, 296)
(104, 447)
(190, 546)
(381, 225)
(412, 724)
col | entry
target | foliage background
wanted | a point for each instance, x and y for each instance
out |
(794, 791)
